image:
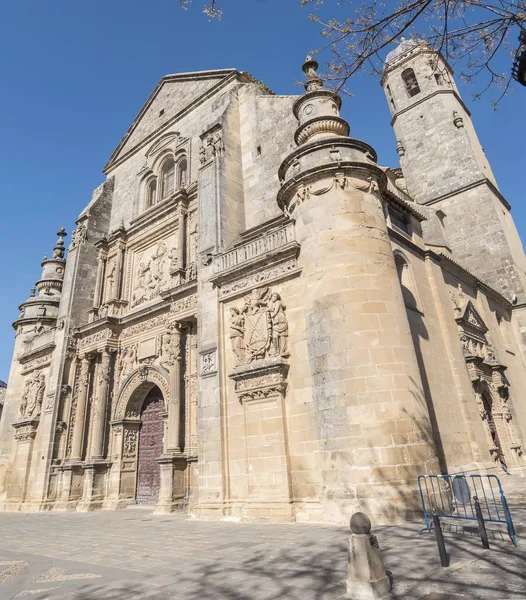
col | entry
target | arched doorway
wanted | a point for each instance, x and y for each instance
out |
(150, 448)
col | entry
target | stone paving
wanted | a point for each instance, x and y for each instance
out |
(132, 554)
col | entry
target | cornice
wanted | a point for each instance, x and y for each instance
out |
(426, 98)
(37, 352)
(468, 187)
(455, 268)
(391, 196)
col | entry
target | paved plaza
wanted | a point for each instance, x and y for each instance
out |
(131, 554)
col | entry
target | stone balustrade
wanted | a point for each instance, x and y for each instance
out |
(269, 242)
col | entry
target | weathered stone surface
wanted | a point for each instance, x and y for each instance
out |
(313, 332)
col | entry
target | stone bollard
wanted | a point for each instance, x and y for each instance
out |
(367, 578)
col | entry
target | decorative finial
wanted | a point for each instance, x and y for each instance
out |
(32, 292)
(58, 250)
(45, 257)
(313, 80)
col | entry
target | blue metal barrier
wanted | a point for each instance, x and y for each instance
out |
(453, 496)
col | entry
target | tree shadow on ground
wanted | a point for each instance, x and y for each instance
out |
(306, 573)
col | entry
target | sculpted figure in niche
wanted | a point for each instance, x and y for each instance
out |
(128, 361)
(237, 332)
(143, 279)
(280, 326)
(111, 280)
(80, 235)
(173, 258)
(166, 358)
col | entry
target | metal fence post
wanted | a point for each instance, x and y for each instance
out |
(444, 558)
(482, 525)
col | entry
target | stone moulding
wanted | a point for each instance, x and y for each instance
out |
(253, 265)
(42, 352)
(26, 428)
(260, 379)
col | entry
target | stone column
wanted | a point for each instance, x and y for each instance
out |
(99, 412)
(98, 282)
(181, 244)
(80, 418)
(119, 269)
(172, 492)
(173, 436)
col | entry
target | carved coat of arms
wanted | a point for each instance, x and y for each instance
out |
(260, 329)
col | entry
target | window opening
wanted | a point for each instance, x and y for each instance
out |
(168, 178)
(410, 82)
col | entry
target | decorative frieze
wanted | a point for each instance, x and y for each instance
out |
(146, 325)
(184, 304)
(26, 429)
(260, 380)
(254, 279)
(97, 338)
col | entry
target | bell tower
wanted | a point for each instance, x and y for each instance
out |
(445, 167)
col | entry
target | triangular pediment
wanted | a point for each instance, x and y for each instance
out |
(471, 318)
(172, 97)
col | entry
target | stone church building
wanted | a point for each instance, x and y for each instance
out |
(256, 320)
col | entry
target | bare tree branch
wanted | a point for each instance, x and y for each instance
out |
(471, 33)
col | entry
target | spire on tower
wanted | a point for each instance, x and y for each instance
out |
(313, 81)
(58, 250)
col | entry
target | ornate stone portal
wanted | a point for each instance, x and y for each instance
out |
(490, 384)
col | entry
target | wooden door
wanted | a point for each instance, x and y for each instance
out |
(150, 448)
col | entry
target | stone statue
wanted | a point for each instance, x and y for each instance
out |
(280, 326)
(79, 235)
(166, 358)
(128, 361)
(112, 280)
(237, 332)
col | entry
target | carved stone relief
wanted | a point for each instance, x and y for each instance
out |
(96, 338)
(131, 437)
(127, 362)
(152, 272)
(80, 235)
(209, 362)
(33, 395)
(170, 348)
(260, 328)
(259, 277)
(211, 145)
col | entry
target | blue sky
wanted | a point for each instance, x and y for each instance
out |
(74, 73)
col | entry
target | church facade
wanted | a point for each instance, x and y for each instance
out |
(255, 320)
